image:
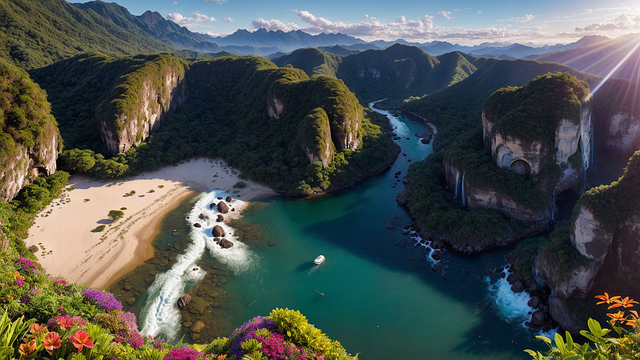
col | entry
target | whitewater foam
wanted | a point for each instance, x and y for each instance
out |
(512, 307)
(160, 315)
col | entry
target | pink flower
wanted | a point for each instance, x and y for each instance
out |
(52, 341)
(81, 339)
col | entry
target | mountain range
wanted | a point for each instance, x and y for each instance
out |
(113, 30)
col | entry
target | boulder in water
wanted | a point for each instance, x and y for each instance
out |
(197, 225)
(225, 244)
(223, 207)
(229, 199)
(184, 300)
(218, 231)
(220, 218)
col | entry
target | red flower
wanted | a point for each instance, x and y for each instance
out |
(52, 341)
(81, 339)
(27, 349)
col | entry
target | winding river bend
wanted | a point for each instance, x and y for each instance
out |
(376, 293)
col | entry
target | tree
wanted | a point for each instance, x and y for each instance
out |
(115, 215)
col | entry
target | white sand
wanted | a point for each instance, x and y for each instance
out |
(74, 250)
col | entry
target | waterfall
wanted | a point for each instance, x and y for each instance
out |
(455, 191)
(464, 198)
(554, 208)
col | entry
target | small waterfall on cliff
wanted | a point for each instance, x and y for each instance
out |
(462, 195)
(554, 207)
(455, 191)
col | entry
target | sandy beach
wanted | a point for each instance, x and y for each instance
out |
(65, 231)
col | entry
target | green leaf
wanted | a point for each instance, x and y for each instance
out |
(594, 327)
(544, 338)
(560, 343)
(569, 340)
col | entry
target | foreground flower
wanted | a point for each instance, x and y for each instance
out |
(52, 341)
(37, 329)
(81, 339)
(27, 349)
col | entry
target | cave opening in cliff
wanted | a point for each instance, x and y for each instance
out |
(565, 201)
(520, 167)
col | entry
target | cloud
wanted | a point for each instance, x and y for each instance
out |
(446, 14)
(273, 25)
(623, 22)
(228, 19)
(196, 17)
(372, 28)
(366, 16)
(525, 18)
(479, 12)
(218, 1)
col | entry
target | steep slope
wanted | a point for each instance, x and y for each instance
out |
(29, 137)
(152, 23)
(120, 101)
(38, 33)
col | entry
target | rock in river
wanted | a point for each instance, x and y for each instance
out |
(218, 231)
(184, 300)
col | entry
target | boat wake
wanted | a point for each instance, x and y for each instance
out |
(160, 315)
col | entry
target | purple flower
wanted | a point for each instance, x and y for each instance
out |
(26, 264)
(103, 299)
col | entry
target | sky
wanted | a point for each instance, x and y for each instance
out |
(466, 22)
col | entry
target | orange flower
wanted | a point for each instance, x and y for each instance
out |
(81, 339)
(606, 299)
(619, 316)
(52, 341)
(27, 349)
(37, 329)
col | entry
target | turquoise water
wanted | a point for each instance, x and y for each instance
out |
(376, 292)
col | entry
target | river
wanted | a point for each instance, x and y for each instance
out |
(377, 292)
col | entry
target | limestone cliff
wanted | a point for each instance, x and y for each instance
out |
(604, 235)
(623, 132)
(140, 102)
(29, 136)
(332, 114)
(315, 137)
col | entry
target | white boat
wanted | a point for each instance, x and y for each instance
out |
(319, 260)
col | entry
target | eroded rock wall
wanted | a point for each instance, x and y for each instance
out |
(623, 132)
(143, 107)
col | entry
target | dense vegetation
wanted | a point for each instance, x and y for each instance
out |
(613, 203)
(29, 134)
(227, 115)
(397, 72)
(533, 112)
(457, 108)
(92, 84)
(38, 33)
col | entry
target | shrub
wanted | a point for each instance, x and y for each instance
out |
(115, 215)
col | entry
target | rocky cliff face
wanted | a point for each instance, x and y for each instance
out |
(29, 136)
(141, 103)
(623, 132)
(19, 170)
(332, 115)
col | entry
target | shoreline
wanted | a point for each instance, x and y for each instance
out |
(145, 251)
(65, 231)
